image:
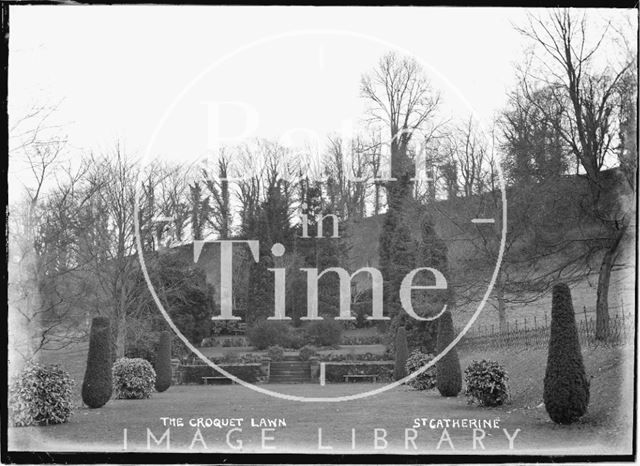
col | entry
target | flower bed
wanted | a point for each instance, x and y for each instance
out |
(341, 357)
(363, 340)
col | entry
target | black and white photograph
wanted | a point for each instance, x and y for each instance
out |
(265, 232)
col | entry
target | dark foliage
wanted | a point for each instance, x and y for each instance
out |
(319, 252)
(185, 294)
(275, 353)
(307, 352)
(270, 226)
(324, 332)
(96, 387)
(448, 373)
(268, 333)
(566, 387)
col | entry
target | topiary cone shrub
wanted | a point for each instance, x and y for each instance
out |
(566, 387)
(96, 387)
(163, 363)
(402, 353)
(448, 373)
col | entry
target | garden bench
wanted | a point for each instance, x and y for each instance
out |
(241, 330)
(373, 377)
(206, 379)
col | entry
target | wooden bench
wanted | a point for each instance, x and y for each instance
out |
(207, 379)
(241, 330)
(373, 377)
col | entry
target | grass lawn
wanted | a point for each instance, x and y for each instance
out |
(606, 429)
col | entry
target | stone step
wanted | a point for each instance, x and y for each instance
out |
(289, 380)
(289, 363)
(294, 369)
(292, 358)
(290, 368)
(290, 371)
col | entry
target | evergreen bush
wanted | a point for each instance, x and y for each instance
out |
(276, 353)
(133, 379)
(40, 396)
(486, 383)
(267, 333)
(426, 380)
(307, 352)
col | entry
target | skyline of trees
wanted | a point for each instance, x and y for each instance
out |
(577, 120)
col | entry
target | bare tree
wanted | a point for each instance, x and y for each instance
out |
(347, 166)
(107, 242)
(374, 161)
(37, 148)
(218, 186)
(172, 204)
(587, 96)
(468, 154)
(402, 99)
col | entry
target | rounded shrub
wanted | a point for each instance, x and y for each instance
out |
(296, 338)
(402, 353)
(133, 379)
(40, 396)
(486, 383)
(426, 380)
(448, 373)
(267, 333)
(163, 363)
(566, 387)
(324, 332)
(306, 352)
(97, 386)
(276, 353)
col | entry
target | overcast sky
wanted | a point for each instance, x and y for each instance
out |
(121, 71)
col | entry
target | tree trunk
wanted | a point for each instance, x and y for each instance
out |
(502, 310)
(118, 332)
(602, 302)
